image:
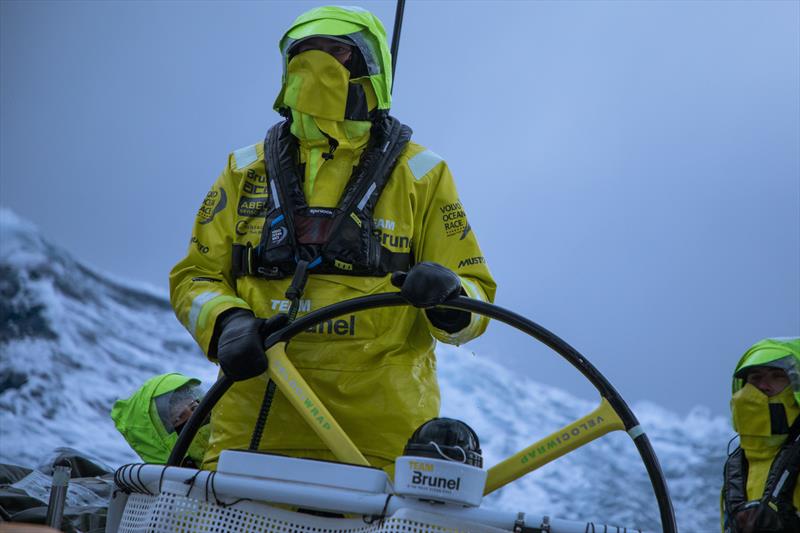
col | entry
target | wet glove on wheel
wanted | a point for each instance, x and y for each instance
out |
(240, 348)
(428, 284)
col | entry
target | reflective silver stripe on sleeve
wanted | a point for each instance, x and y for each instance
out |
(469, 331)
(472, 290)
(363, 201)
(245, 156)
(197, 306)
(459, 337)
(423, 162)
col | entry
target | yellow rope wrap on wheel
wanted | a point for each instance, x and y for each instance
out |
(302, 398)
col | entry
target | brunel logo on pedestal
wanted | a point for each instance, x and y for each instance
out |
(429, 480)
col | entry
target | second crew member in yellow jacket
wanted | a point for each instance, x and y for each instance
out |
(760, 491)
(343, 188)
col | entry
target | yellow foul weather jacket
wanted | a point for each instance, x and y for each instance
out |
(374, 370)
(758, 487)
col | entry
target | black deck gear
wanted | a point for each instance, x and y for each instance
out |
(338, 240)
(446, 438)
(775, 509)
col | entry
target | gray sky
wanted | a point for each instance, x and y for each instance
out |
(632, 169)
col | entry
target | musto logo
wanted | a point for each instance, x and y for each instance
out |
(424, 478)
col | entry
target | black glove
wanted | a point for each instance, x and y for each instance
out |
(428, 284)
(240, 349)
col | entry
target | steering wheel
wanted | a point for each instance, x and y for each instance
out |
(612, 414)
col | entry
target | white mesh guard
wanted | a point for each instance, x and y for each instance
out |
(157, 499)
(171, 512)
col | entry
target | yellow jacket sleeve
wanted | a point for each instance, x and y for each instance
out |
(446, 237)
(201, 287)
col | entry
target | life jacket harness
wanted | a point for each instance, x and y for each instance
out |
(775, 509)
(339, 240)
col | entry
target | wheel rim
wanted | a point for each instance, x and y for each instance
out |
(495, 312)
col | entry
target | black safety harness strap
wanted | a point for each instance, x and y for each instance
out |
(735, 476)
(245, 262)
(339, 240)
(778, 489)
(293, 293)
(782, 476)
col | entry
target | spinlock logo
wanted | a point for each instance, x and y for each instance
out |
(556, 442)
(319, 212)
(252, 207)
(278, 235)
(471, 261)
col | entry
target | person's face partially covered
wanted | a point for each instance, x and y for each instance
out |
(768, 380)
(339, 50)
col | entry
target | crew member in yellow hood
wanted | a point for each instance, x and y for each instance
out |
(760, 491)
(343, 189)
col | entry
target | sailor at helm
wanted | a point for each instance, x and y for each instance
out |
(760, 491)
(339, 187)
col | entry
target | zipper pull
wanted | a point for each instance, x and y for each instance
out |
(333, 144)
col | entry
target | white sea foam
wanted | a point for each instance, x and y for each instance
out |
(74, 340)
